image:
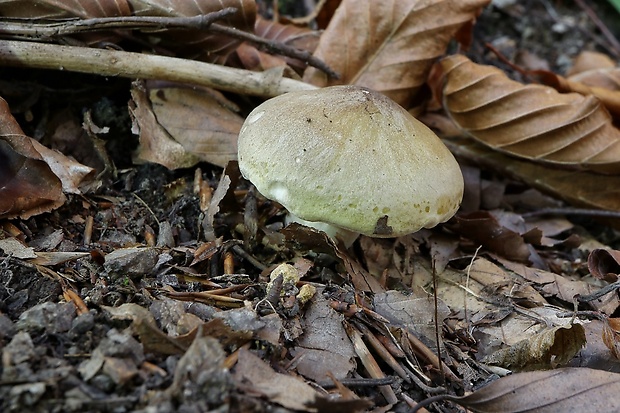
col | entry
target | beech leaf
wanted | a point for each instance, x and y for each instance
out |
(530, 121)
(580, 188)
(611, 335)
(28, 186)
(567, 390)
(549, 348)
(389, 46)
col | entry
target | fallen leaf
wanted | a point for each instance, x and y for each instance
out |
(611, 335)
(253, 373)
(181, 126)
(200, 375)
(301, 38)
(12, 246)
(579, 188)
(604, 264)
(389, 46)
(561, 287)
(550, 348)
(567, 390)
(589, 60)
(28, 186)
(201, 120)
(324, 347)
(532, 122)
(415, 313)
(198, 44)
(483, 228)
(610, 98)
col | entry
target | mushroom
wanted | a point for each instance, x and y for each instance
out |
(349, 161)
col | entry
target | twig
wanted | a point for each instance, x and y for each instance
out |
(615, 45)
(606, 45)
(368, 361)
(363, 382)
(237, 249)
(136, 65)
(573, 211)
(275, 48)
(598, 294)
(45, 31)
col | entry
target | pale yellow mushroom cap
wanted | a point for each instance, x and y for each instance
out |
(352, 158)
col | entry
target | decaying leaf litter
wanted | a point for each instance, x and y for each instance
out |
(129, 286)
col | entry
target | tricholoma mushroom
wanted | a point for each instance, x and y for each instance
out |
(348, 160)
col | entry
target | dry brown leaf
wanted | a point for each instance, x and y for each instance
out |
(201, 120)
(27, 184)
(389, 46)
(611, 335)
(563, 288)
(156, 144)
(324, 347)
(603, 78)
(299, 37)
(588, 60)
(152, 338)
(604, 264)
(530, 121)
(414, 313)
(550, 348)
(483, 228)
(567, 390)
(180, 127)
(610, 98)
(254, 374)
(580, 188)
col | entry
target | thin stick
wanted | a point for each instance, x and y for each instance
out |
(136, 65)
(45, 31)
(275, 48)
(201, 22)
(573, 211)
(615, 45)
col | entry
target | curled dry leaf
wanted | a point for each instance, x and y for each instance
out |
(180, 126)
(550, 348)
(299, 37)
(485, 229)
(604, 264)
(611, 335)
(530, 121)
(580, 188)
(609, 98)
(27, 184)
(567, 390)
(389, 46)
(588, 60)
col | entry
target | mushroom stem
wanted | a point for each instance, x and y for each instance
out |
(336, 233)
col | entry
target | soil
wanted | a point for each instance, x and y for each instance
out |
(59, 359)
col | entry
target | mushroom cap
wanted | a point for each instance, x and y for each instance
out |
(352, 158)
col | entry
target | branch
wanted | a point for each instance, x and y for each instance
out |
(136, 65)
(46, 31)
(272, 47)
